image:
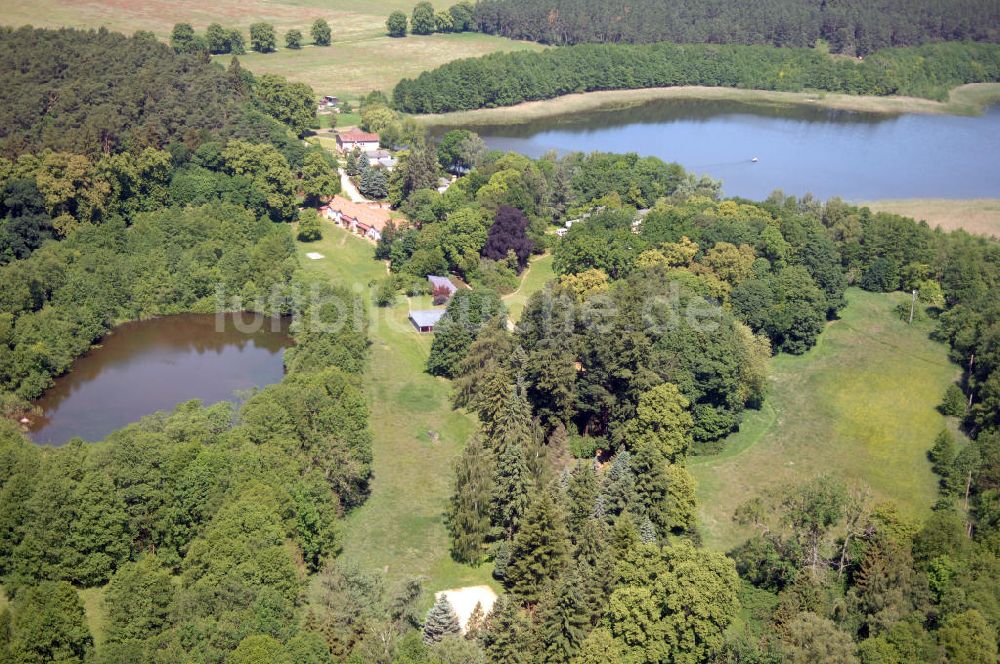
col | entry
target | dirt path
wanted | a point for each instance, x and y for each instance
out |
(348, 188)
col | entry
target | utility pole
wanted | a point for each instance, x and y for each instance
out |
(913, 303)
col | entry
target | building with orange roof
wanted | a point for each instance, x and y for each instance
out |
(367, 219)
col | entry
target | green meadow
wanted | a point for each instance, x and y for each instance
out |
(417, 434)
(861, 405)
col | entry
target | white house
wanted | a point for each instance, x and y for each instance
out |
(355, 138)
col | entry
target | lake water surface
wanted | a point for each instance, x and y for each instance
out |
(857, 156)
(146, 366)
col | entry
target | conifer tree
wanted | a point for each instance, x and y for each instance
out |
(511, 487)
(625, 535)
(353, 162)
(476, 623)
(441, 621)
(506, 638)
(539, 551)
(513, 423)
(647, 531)
(651, 489)
(373, 183)
(581, 495)
(683, 504)
(618, 489)
(559, 456)
(487, 356)
(469, 510)
(564, 619)
(490, 399)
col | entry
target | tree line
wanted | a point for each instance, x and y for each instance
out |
(505, 79)
(424, 20)
(853, 27)
(218, 40)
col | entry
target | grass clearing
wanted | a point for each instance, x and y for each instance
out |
(980, 216)
(860, 405)
(965, 100)
(417, 435)
(93, 606)
(538, 272)
(355, 65)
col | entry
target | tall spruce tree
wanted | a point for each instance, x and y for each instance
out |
(564, 619)
(511, 489)
(441, 621)
(507, 637)
(487, 356)
(618, 488)
(539, 552)
(581, 495)
(469, 510)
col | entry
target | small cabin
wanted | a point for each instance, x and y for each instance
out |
(425, 320)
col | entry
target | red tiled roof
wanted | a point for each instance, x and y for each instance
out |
(373, 217)
(357, 136)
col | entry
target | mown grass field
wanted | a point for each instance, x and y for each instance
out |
(538, 272)
(361, 59)
(860, 405)
(417, 435)
(354, 66)
(980, 216)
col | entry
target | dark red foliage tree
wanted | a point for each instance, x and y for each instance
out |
(508, 233)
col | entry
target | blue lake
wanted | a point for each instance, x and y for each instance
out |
(857, 156)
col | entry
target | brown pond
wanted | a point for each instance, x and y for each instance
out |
(146, 366)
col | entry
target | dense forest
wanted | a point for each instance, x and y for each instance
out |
(851, 27)
(150, 183)
(100, 92)
(504, 79)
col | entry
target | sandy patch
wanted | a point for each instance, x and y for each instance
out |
(464, 600)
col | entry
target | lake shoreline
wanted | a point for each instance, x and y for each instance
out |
(969, 99)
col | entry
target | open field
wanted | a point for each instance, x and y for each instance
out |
(965, 100)
(346, 17)
(417, 435)
(977, 215)
(361, 59)
(354, 66)
(861, 405)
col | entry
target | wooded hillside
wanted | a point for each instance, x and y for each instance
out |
(854, 26)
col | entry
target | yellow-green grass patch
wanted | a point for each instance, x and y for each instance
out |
(354, 66)
(980, 216)
(861, 405)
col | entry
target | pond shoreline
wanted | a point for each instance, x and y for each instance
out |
(968, 99)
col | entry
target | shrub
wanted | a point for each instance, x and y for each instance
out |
(310, 229)
(954, 402)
